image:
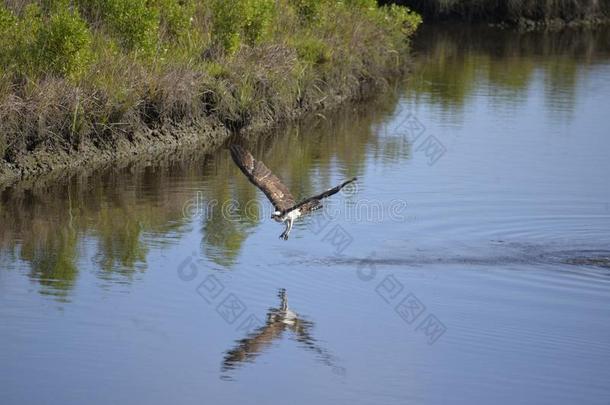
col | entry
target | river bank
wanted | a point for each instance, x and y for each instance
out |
(524, 15)
(85, 84)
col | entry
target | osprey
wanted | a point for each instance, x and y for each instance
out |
(286, 208)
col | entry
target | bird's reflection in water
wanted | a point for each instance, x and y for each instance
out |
(279, 320)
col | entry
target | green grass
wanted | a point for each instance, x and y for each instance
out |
(96, 71)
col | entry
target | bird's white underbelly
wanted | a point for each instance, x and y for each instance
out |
(289, 317)
(294, 214)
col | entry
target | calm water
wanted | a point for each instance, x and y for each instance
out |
(471, 264)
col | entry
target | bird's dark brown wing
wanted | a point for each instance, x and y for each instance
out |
(250, 347)
(311, 202)
(261, 177)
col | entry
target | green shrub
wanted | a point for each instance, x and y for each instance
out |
(8, 29)
(37, 44)
(226, 20)
(258, 17)
(361, 4)
(132, 22)
(63, 44)
(401, 19)
(176, 16)
(237, 20)
(307, 10)
(312, 50)
(17, 37)
(138, 24)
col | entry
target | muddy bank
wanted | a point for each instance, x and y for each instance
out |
(54, 161)
(50, 162)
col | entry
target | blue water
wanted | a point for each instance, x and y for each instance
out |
(470, 264)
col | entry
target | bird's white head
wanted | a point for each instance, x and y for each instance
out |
(277, 215)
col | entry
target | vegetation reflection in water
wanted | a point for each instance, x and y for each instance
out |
(453, 63)
(111, 220)
(122, 213)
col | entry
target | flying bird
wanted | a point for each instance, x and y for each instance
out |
(287, 210)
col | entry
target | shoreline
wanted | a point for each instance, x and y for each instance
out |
(145, 144)
(554, 24)
(204, 134)
(535, 14)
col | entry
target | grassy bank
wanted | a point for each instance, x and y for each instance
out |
(526, 13)
(89, 79)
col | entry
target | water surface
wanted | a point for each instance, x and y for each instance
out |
(471, 264)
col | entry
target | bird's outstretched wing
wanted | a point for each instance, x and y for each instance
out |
(261, 177)
(313, 200)
(251, 346)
